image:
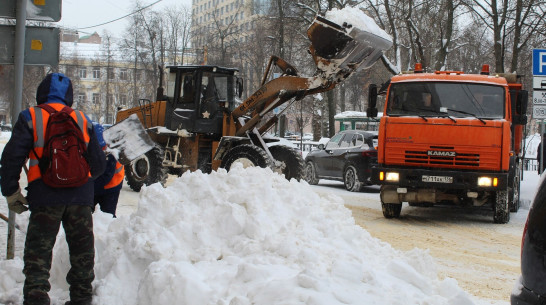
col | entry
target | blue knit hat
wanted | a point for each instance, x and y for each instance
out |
(98, 131)
(55, 87)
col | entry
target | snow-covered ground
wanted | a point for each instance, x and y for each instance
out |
(243, 237)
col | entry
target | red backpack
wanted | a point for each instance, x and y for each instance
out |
(64, 159)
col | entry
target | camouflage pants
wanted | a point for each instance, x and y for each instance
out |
(42, 231)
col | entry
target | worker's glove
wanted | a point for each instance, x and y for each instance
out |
(17, 202)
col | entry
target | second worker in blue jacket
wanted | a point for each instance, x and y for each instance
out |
(108, 185)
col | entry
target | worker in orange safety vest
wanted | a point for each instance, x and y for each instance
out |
(108, 185)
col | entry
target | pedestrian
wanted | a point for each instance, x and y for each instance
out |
(541, 153)
(108, 185)
(50, 205)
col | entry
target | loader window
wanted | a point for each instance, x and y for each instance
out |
(214, 94)
(441, 98)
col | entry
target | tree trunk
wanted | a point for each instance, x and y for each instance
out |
(444, 46)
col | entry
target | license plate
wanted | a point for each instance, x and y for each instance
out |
(437, 179)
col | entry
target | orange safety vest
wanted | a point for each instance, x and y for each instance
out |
(38, 125)
(117, 178)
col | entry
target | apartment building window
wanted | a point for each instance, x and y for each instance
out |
(80, 98)
(96, 99)
(83, 72)
(111, 74)
(109, 99)
(123, 75)
(123, 100)
(96, 73)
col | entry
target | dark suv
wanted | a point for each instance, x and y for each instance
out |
(348, 157)
(531, 289)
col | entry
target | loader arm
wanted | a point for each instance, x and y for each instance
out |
(337, 51)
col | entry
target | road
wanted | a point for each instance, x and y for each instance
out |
(482, 256)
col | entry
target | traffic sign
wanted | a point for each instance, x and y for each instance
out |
(539, 97)
(539, 82)
(539, 62)
(41, 45)
(43, 10)
(539, 111)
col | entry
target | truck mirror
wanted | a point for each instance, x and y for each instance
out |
(519, 115)
(371, 111)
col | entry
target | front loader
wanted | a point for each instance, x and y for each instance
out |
(201, 123)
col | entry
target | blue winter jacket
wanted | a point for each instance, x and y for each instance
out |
(17, 150)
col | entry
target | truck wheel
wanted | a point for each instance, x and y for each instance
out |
(247, 154)
(350, 179)
(294, 166)
(514, 193)
(501, 212)
(311, 173)
(146, 170)
(391, 210)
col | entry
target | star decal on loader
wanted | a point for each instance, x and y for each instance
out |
(206, 115)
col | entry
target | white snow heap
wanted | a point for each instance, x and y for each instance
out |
(358, 19)
(243, 237)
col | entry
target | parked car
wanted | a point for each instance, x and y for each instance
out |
(531, 287)
(348, 156)
(5, 127)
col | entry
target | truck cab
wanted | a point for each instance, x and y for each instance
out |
(451, 137)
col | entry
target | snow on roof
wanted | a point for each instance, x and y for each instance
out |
(358, 19)
(86, 51)
(354, 115)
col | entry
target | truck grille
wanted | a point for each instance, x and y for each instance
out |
(422, 158)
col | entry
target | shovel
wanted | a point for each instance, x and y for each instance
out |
(128, 140)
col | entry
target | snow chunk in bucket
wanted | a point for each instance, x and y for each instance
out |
(358, 19)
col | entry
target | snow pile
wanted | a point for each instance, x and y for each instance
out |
(243, 237)
(358, 19)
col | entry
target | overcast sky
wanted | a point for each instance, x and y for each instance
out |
(81, 14)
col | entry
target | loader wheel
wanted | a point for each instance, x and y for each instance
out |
(311, 173)
(501, 212)
(293, 164)
(247, 154)
(350, 179)
(146, 170)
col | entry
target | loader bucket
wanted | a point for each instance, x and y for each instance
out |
(340, 50)
(128, 140)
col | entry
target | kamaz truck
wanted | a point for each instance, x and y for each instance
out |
(450, 138)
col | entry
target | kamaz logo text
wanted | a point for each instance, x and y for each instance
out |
(441, 153)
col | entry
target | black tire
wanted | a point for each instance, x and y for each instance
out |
(248, 154)
(311, 173)
(514, 193)
(350, 179)
(146, 170)
(293, 164)
(501, 211)
(391, 210)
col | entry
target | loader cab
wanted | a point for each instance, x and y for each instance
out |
(199, 96)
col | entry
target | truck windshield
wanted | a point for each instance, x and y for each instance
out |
(444, 98)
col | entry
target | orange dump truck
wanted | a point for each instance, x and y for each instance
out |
(451, 138)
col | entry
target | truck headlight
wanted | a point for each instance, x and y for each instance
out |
(485, 181)
(390, 176)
